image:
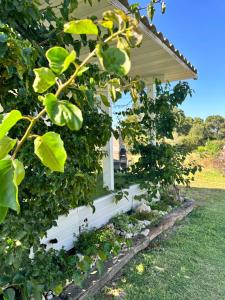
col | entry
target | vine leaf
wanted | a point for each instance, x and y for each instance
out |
(163, 7)
(151, 11)
(60, 59)
(19, 172)
(85, 26)
(63, 112)
(115, 60)
(107, 24)
(9, 121)
(105, 100)
(6, 145)
(9, 294)
(50, 150)
(44, 79)
(3, 213)
(100, 266)
(11, 175)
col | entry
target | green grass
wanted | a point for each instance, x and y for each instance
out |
(188, 262)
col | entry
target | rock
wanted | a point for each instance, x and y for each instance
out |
(80, 256)
(128, 235)
(130, 226)
(144, 223)
(147, 222)
(162, 213)
(143, 208)
(110, 226)
(169, 208)
(119, 232)
(145, 232)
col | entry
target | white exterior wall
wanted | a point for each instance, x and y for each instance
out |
(68, 227)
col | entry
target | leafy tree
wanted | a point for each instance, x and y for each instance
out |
(215, 126)
(159, 163)
(184, 123)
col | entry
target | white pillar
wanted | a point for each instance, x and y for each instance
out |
(152, 94)
(108, 164)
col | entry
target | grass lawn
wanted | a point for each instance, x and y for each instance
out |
(189, 261)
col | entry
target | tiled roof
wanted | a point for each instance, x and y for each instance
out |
(164, 40)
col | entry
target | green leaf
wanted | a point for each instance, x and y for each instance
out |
(50, 150)
(73, 5)
(60, 59)
(9, 294)
(58, 289)
(44, 79)
(105, 100)
(6, 145)
(163, 7)
(19, 171)
(63, 112)
(8, 188)
(151, 11)
(100, 266)
(3, 213)
(116, 60)
(3, 37)
(106, 23)
(9, 121)
(37, 291)
(78, 279)
(82, 70)
(85, 26)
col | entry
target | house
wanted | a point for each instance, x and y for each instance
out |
(156, 58)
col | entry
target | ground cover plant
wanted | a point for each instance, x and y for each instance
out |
(186, 263)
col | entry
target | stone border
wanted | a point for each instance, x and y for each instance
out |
(71, 292)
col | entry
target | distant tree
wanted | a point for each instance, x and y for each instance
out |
(184, 123)
(215, 126)
(198, 134)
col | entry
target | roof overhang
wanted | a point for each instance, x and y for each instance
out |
(156, 58)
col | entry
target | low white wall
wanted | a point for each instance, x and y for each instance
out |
(69, 226)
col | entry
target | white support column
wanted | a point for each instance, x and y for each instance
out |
(108, 164)
(152, 94)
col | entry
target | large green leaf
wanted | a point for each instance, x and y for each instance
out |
(50, 149)
(59, 59)
(9, 121)
(85, 26)
(8, 186)
(63, 112)
(6, 145)
(44, 79)
(19, 171)
(116, 60)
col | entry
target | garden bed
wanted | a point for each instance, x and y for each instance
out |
(95, 281)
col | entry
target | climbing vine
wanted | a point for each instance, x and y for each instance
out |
(52, 121)
(148, 128)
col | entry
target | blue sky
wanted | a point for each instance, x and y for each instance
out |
(197, 29)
